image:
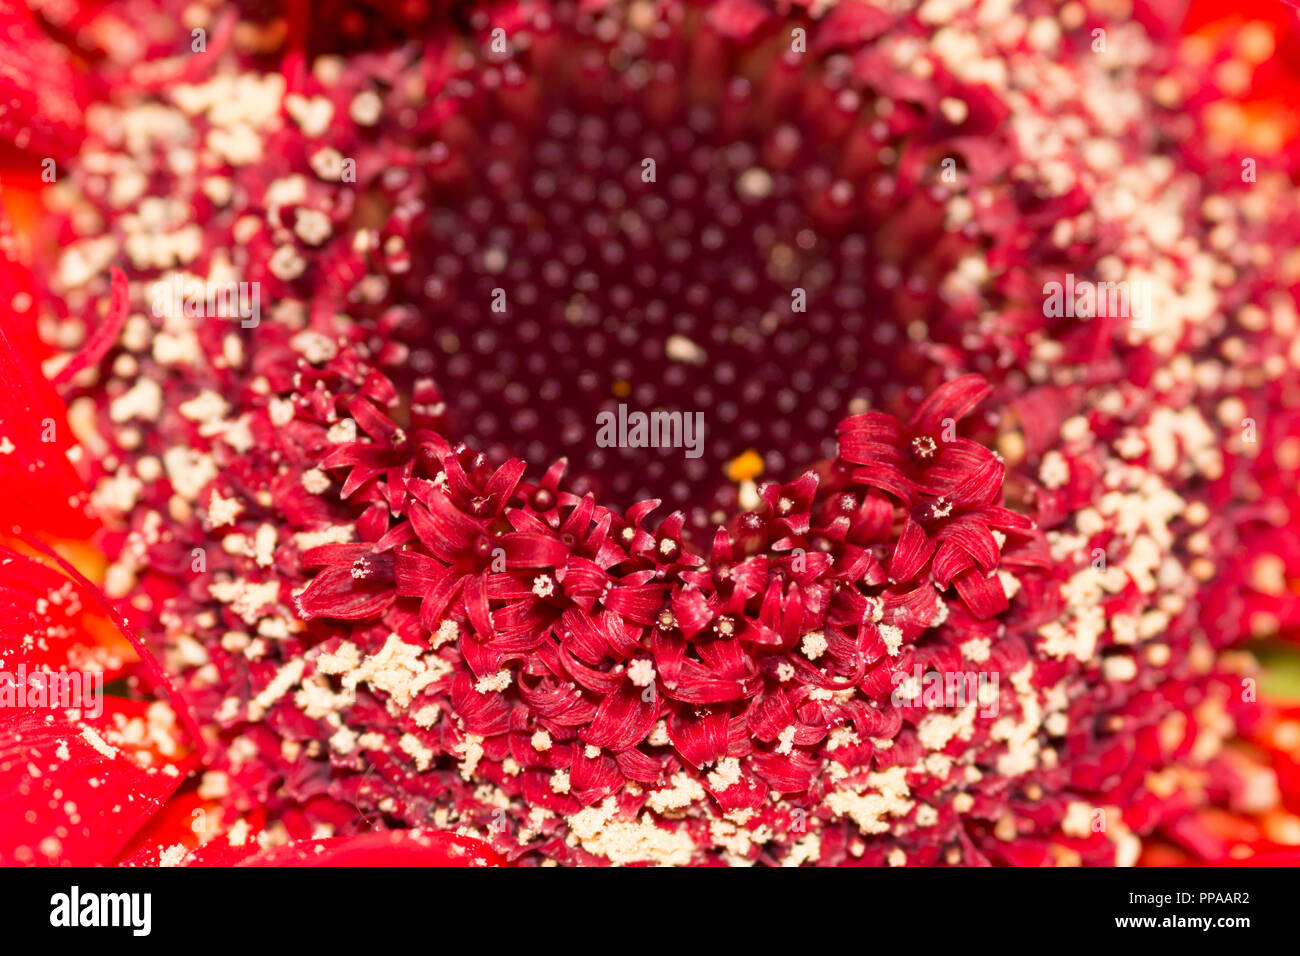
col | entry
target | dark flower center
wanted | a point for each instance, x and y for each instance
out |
(712, 266)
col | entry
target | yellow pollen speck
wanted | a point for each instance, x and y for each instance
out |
(621, 389)
(1268, 574)
(745, 467)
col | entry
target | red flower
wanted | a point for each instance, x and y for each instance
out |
(362, 521)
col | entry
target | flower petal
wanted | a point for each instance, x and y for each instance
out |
(79, 798)
(912, 551)
(35, 438)
(390, 848)
(982, 593)
(623, 719)
(44, 98)
(952, 400)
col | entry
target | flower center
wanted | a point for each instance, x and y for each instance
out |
(676, 297)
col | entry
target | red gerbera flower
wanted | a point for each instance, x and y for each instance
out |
(365, 293)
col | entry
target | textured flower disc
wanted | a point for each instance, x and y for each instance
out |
(953, 576)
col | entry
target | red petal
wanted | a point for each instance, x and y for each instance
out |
(103, 338)
(69, 797)
(43, 97)
(622, 720)
(484, 714)
(176, 823)
(534, 551)
(637, 604)
(980, 488)
(887, 478)
(983, 595)
(393, 848)
(639, 766)
(737, 19)
(949, 561)
(951, 400)
(593, 778)
(337, 594)
(874, 427)
(976, 540)
(45, 635)
(847, 24)
(912, 551)
(699, 739)
(691, 610)
(35, 438)
(792, 773)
